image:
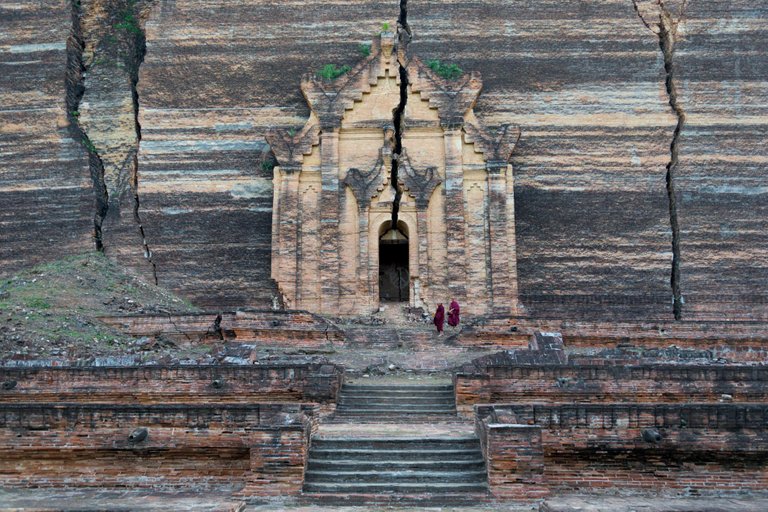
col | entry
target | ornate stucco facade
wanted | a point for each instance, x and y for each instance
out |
(334, 192)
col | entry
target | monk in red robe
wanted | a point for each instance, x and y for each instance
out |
(453, 313)
(439, 319)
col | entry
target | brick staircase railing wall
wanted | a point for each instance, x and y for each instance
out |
(673, 450)
(261, 448)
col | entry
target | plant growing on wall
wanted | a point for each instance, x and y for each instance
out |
(331, 72)
(447, 71)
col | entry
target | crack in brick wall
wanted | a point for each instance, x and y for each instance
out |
(403, 38)
(107, 41)
(666, 31)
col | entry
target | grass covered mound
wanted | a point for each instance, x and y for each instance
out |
(49, 311)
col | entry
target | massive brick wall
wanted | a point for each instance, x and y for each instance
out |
(212, 84)
(584, 80)
(723, 179)
(45, 190)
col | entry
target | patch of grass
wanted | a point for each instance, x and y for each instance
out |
(364, 49)
(385, 26)
(447, 71)
(37, 303)
(331, 72)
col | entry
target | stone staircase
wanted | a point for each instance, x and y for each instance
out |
(396, 444)
(395, 403)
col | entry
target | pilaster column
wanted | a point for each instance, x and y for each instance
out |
(329, 220)
(498, 271)
(288, 227)
(455, 215)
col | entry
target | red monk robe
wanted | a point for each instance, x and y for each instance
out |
(453, 313)
(439, 318)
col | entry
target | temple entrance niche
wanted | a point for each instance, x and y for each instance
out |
(394, 282)
(333, 247)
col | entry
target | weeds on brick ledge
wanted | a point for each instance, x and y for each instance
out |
(331, 72)
(447, 71)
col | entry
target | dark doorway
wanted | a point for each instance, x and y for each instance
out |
(393, 270)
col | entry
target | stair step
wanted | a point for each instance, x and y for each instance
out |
(395, 477)
(394, 412)
(378, 444)
(350, 465)
(395, 399)
(394, 488)
(392, 418)
(393, 407)
(398, 388)
(384, 456)
(415, 499)
(386, 392)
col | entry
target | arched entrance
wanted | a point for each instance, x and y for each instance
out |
(393, 263)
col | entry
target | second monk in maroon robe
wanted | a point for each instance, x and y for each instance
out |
(439, 318)
(453, 313)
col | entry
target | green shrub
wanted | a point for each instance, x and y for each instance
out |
(364, 49)
(447, 71)
(331, 72)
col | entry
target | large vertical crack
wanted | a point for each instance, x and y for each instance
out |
(75, 88)
(666, 31)
(137, 59)
(110, 49)
(403, 38)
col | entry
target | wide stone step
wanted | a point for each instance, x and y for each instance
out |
(385, 444)
(395, 399)
(392, 418)
(385, 456)
(393, 488)
(446, 499)
(384, 412)
(384, 392)
(395, 477)
(396, 407)
(396, 465)
(398, 388)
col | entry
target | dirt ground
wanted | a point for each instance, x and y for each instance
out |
(49, 312)
(49, 315)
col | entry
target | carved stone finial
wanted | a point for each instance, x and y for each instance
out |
(497, 147)
(328, 99)
(452, 98)
(367, 185)
(290, 147)
(419, 183)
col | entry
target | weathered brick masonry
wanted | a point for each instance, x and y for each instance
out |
(604, 384)
(300, 328)
(261, 446)
(695, 449)
(178, 384)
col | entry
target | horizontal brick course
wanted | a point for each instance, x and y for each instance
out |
(599, 384)
(187, 384)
